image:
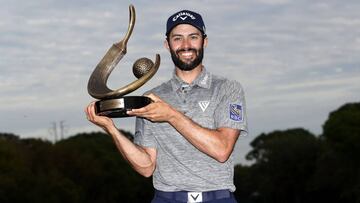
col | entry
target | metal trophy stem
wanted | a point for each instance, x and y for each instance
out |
(113, 103)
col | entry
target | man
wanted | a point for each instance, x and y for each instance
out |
(185, 138)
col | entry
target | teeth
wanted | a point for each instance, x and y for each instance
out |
(186, 54)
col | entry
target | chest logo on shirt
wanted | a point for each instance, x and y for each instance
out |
(203, 105)
(236, 112)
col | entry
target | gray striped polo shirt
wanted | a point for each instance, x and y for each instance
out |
(210, 101)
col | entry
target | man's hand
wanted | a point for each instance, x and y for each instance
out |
(157, 111)
(142, 159)
(101, 121)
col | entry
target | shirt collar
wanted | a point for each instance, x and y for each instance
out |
(202, 80)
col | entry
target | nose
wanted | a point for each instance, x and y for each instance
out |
(186, 43)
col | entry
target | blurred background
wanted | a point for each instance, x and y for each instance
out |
(297, 61)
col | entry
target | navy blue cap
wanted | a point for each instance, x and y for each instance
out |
(185, 17)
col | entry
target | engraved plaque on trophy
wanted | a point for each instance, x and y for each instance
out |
(114, 103)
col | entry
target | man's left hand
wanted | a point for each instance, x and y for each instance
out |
(157, 111)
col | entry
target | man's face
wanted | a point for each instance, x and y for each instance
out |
(186, 45)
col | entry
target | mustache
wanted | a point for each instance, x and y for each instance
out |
(189, 49)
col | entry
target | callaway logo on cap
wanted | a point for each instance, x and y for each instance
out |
(185, 17)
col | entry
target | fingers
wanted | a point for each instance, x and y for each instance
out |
(154, 97)
(139, 112)
(91, 115)
(156, 111)
(101, 121)
(145, 112)
(90, 111)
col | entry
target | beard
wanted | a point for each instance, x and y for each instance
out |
(187, 66)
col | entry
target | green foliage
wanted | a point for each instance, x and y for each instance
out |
(342, 130)
(246, 188)
(284, 163)
(83, 168)
(26, 172)
(338, 168)
(105, 176)
(296, 166)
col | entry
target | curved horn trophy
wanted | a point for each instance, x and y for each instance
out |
(113, 103)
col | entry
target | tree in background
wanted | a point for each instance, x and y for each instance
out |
(295, 166)
(338, 169)
(83, 168)
(27, 172)
(93, 163)
(284, 163)
(246, 187)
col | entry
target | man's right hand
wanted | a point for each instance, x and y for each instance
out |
(101, 121)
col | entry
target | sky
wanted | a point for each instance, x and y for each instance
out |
(297, 60)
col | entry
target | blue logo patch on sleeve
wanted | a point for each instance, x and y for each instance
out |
(236, 112)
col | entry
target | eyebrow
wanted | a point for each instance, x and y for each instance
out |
(180, 35)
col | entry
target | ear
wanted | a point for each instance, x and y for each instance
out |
(166, 44)
(205, 42)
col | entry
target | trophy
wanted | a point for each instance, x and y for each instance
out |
(113, 103)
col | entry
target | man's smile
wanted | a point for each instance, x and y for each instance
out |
(187, 54)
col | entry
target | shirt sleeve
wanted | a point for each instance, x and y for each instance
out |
(143, 133)
(231, 110)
